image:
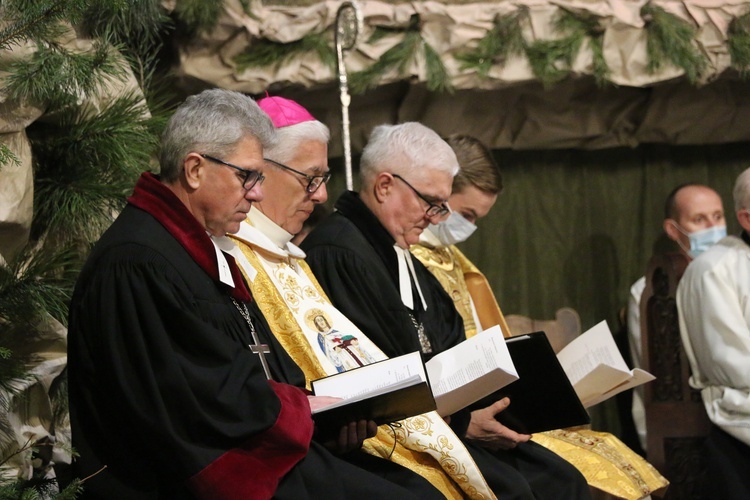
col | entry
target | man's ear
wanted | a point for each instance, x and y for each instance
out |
(743, 217)
(382, 186)
(192, 167)
(671, 229)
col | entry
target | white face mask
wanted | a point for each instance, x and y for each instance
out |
(702, 240)
(452, 230)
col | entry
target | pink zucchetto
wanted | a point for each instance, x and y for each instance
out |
(284, 112)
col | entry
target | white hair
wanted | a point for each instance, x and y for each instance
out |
(408, 149)
(741, 192)
(289, 139)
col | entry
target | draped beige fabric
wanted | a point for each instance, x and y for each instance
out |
(448, 27)
(509, 108)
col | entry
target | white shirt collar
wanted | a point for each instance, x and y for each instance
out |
(262, 232)
(428, 239)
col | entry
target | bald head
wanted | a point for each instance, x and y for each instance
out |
(691, 208)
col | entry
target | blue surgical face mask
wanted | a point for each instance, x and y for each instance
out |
(452, 230)
(702, 240)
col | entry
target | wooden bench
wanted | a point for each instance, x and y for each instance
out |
(560, 331)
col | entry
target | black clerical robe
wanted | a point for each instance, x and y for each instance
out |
(164, 390)
(352, 256)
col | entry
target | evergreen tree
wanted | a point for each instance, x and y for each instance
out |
(91, 67)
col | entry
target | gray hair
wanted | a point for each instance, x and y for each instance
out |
(213, 123)
(741, 192)
(410, 149)
(289, 139)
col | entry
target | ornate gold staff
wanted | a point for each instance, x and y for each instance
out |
(348, 26)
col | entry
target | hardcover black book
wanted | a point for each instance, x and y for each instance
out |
(542, 398)
(383, 409)
(385, 392)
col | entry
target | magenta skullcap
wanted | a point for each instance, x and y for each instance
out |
(284, 112)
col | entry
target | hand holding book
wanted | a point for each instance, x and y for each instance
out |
(486, 429)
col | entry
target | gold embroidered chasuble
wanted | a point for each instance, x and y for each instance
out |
(312, 332)
(605, 461)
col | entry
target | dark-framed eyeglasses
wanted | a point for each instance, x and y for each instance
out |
(433, 209)
(313, 181)
(249, 177)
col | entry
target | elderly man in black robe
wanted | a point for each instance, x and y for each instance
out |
(360, 256)
(168, 395)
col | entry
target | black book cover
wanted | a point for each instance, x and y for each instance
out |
(382, 409)
(384, 392)
(542, 398)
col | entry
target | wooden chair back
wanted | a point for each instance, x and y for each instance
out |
(676, 421)
(560, 331)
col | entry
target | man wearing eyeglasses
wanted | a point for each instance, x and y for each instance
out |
(319, 339)
(360, 255)
(170, 395)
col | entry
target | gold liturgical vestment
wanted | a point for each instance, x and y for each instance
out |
(322, 342)
(605, 461)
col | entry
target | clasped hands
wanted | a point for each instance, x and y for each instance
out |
(486, 431)
(350, 436)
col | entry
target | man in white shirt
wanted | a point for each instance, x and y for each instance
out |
(694, 219)
(713, 302)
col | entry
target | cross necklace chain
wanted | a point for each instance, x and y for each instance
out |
(260, 349)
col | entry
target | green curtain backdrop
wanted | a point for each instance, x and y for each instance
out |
(576, 228)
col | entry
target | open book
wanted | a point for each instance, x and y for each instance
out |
(397, 388)
(542, 398)
(471, 370)
(596, 368)
(386, 391)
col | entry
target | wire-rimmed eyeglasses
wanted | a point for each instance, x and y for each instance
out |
(249, 177)
(433, 209)
(313, 181)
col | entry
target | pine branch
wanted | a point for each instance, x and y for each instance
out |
(7, 157)
(739, 44)
(86, 165)
(264, 53)
(600, 68)
(36, 284)
(39, 20)
(503, 41)
(550, 60)
(39, 487)
(399, 57)
(12, 367)
(198, 16)
(137, 27)
(72, 491)
(54, 77)
(438, 78)
(580, 27)
(670, 40)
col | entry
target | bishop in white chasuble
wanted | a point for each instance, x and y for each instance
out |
(322, 342)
